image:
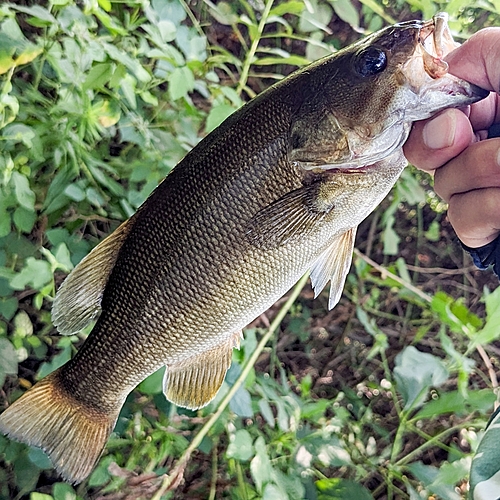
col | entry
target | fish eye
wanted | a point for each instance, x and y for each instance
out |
(370, 61)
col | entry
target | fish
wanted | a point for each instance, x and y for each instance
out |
(277, 190)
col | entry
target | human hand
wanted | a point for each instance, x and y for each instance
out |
(452, 146)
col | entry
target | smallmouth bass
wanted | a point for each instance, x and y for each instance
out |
(277, 190)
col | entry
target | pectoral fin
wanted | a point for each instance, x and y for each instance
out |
(195, 382)
(78, 300)
(292, 216)
(333, 265)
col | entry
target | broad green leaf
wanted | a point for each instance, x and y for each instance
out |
(20, 132)
(153, 384)
(217, 115)
(415, 373)
(30, 53)
(272, 492)
(315, 16)
(36, 273)
(63, 491)
(346, 11)
(24, 219)
(25, 196)
(8, 360)
(40, 496)
(260, 466)
(267, 412)
(490, 331)
(390, 237)
(38, 12)
(485, 468)
(181, 81)
(98, 76)
(435, 480)
(56, 362)
(240, 445)
(241, 403)
(39, 458)
(454, 402)
(341, 489)
(8, 307)
(290, 7)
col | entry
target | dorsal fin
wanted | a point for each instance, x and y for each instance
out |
(333, 265)
(78, 300)
(194, 382)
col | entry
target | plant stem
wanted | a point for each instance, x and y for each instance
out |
(183, 460)
(253, 48)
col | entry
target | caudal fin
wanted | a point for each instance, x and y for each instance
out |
(72, 434)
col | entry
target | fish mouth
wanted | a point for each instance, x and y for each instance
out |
(435, 42)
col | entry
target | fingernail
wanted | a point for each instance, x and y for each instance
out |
(439, 133)
(498, 157)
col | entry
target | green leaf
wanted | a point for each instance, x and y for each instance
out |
(346, 11)
(341, 489)
(181, 81)
(39, 458)
(273, 492)
(415, 373)
(315, 17)
(24, 219)
(63, 491)
(25, 196)
(36, 273)
(291, 7)
(260, 466)
(267, 412)
(56, 362)
(240, 446)
(485, 469)
(241, 403)
(490, 331)
(40, 496)
(8, 360)
(8, 307)
(98, 76)
(153, 384)
(217, 115)
(39, 13)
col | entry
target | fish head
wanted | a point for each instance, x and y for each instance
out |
(363, 99)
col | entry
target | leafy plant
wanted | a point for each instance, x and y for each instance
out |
(384, 397)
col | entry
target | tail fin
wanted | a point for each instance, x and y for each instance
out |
(72, 434)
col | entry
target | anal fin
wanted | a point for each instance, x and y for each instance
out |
(193, 383)
(333, 265)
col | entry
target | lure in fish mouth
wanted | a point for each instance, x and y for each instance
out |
(409, 57)
(276, 190)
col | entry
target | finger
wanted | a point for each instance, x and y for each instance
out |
(475, 216)
(475, 168)
(476, 60)
(434, 142)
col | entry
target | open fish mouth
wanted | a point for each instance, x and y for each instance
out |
(436, 41)
(427, 70)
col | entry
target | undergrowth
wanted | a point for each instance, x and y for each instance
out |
(384, 397)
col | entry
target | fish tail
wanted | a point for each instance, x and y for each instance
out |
(72, 434)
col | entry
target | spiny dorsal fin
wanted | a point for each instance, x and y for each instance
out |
(78, 300)
(194, 383)
(333, 264)
(287, 219)
(72, 434)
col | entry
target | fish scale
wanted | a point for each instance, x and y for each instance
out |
(276, 190)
